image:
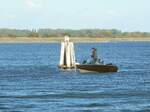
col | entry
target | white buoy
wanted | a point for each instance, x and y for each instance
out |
(67, 54)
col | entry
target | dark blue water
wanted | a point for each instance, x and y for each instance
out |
(31, 82)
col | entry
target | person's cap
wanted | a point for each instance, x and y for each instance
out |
(94, 48)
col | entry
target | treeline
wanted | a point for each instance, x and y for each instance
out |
(72, 33)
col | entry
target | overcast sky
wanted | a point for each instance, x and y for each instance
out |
(126, 15)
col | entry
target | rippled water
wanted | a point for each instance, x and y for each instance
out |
(31, 82)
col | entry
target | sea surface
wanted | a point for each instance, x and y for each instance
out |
(30, 80)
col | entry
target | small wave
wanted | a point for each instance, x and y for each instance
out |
(91, 105)
(84, 95)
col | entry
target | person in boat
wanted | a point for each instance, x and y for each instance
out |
(94, 55)
(94, 58)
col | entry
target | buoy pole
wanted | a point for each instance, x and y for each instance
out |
(67, 54)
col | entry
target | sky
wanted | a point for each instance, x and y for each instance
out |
(125, 15)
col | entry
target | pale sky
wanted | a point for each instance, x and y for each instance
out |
(126, 15)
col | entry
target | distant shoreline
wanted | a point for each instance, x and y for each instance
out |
(73, 39)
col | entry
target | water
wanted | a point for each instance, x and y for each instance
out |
(31, 82)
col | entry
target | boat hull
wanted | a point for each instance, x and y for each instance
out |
(97, 68)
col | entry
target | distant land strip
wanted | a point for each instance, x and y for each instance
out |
(74, 39)
(82, 35)
(114, 33)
